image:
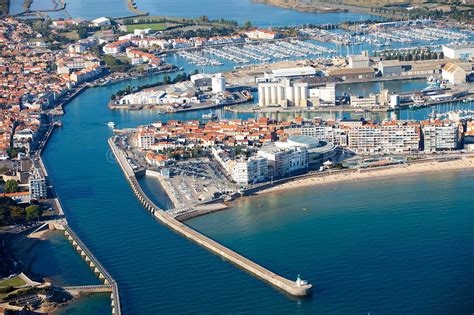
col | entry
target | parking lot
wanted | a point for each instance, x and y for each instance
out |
(199, 180)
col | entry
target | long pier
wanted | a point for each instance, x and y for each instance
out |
(288, 286)
(109, 283)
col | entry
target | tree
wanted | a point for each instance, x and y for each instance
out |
(82, 32)
(4, 215)
(247, 25)
(32, 212)
(11, 186)
(17, 213)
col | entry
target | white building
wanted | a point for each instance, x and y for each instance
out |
(102, 21)
(284, 162)
(385, 139)
(146, 139)
(454, 74)
(218, 83)
(359, 61)
(361, 101)
(37, 185)
(317, 150)
(283, 93)
(248, 171)
(440, 137)
(261, 34)
(326, 94)
(465, 52)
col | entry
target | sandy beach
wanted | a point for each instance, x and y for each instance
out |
(375, 173)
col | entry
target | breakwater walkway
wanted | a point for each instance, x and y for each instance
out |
(109, 284)
(291, 287)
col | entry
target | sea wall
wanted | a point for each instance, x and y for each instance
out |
(288, 286)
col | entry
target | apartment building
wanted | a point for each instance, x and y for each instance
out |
(440, 136)
(384, 139)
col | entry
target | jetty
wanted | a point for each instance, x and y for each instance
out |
(295, 288)
(109, 284)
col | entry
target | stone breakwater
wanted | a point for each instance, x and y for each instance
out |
(288, 286)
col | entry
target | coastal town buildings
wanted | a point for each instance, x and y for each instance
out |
(261, 34)
(391, 138)
(440, 136)
(252, 151)
(37, 185)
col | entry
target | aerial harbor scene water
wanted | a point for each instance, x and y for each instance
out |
(247, 156)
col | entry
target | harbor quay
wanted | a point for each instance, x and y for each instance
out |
(295, 288)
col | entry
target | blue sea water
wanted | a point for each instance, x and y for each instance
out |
(236, 10)
(402, 245)
(354, 240)
(385, 246)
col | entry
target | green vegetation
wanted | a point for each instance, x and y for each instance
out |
(182, 27)
(11, 213)
(115, 64)
(13, 152)
(33, 212)
(153, 26)
(410, 55)
(11, 186)
(12, 282)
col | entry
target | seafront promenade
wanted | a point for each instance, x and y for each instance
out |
(290, 287)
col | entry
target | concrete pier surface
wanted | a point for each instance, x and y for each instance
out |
(288, 286)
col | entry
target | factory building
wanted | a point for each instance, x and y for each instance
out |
(364, 101)
(326, 94)
(218, 83)
(206, 80)
(465, 52)
(283, 93)
(390, 68)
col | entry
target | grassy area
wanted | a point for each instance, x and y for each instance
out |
(153, 26)
(71, 35)
(13, 282)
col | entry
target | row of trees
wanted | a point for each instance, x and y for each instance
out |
(411, 55)
(423, 13)
(200, 32)
(11, 213)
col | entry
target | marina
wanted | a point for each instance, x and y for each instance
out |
(258, 52)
